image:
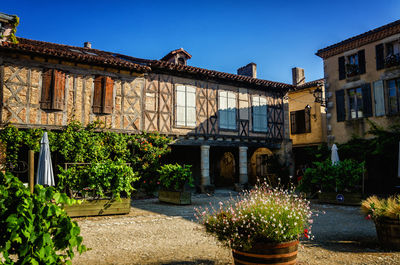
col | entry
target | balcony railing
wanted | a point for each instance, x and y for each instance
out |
(352, 70)
(392, 60)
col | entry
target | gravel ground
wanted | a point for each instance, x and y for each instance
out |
(156, 233)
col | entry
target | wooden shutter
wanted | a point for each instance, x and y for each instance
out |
(379, 98)
(380, 58)
(342, 68)
(107, 100)
(293, 122)
(361, 62)
(307, 120)
(98, 94)
(58, 90)
(340, 107)
(47, 84)
(367, 100)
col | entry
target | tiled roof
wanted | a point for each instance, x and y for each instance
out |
(98, 57)
(314, 83)
(360, 40)
(77, 54)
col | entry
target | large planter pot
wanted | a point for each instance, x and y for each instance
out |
(388, 231)
(175, 197)
(99, 207)
(268, 253)
(345, 198)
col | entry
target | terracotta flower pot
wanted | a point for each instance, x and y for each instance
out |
(268, 253)
(388, 231)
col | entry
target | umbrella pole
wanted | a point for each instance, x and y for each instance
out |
(31, 162)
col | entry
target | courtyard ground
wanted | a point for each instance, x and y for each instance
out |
(157, 233)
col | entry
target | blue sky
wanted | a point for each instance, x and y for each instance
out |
(220, 35)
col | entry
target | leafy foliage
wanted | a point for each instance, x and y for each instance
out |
(107, 178)
(260, 215)
(174, 177)
(345, 175)
(93, 145)
(34, 227)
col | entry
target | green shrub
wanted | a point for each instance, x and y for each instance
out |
(343, 176)
(33, 227)
(108, 178)
(174, 177)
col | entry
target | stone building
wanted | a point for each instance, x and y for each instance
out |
(307, 115)
(362, 81)
(223, 124)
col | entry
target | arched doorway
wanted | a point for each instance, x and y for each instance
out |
(227, 167)
(259, 165)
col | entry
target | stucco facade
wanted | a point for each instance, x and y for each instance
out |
(343, 122)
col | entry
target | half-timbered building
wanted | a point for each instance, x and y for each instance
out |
(225, 125)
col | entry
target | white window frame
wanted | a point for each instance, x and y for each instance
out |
(185, 100)
(227, 106)
(259, 115)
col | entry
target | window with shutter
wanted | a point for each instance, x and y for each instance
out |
(227, 110)
(356, 106)
(366, 100)
(185, 107)
(379, 98)
(380, 59)
(340, 107)
(342, 68)
(53, 87)
(260, 112)
(103, 97)
(300, 121)
(393, 94)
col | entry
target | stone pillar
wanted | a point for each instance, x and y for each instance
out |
(243, 177)
(205, 165)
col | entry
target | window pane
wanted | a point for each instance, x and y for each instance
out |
(352, 104)
(180, 116)
(223, 101)
(231, 103)
(180, 88)
(392, 96)
(232, 119)
(256, 101)
(223, 118)
(191, 116)
(263, 101)
(191, 99)
(359, 102)
(180, 98)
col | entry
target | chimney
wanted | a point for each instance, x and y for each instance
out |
(8, 24)
(248, 70)
(298, 76)
(87, 45)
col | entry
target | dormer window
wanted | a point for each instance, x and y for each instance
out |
(179, 56)
(181, 61)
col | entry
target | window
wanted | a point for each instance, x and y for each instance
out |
(227, 110)
(393, 87)
(260, 119)
(185, 106)
(352, 65)
(300, 121)
(355, 103)
(53, 88)
(103, 100)
(358, 103)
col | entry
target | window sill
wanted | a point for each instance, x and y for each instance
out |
(184, 127)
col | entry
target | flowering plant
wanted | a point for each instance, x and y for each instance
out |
(262, 214)
(376, 208)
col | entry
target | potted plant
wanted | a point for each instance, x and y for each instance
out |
(173, 178)
(386, 215)
(262, 226)
(338, 183)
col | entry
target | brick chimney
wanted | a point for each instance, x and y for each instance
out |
(298, 76)
(248, 70)
(8, 24)
(87, 45)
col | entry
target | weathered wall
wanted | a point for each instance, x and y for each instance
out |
(21, 89)
(298, 100)
(343, 131)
